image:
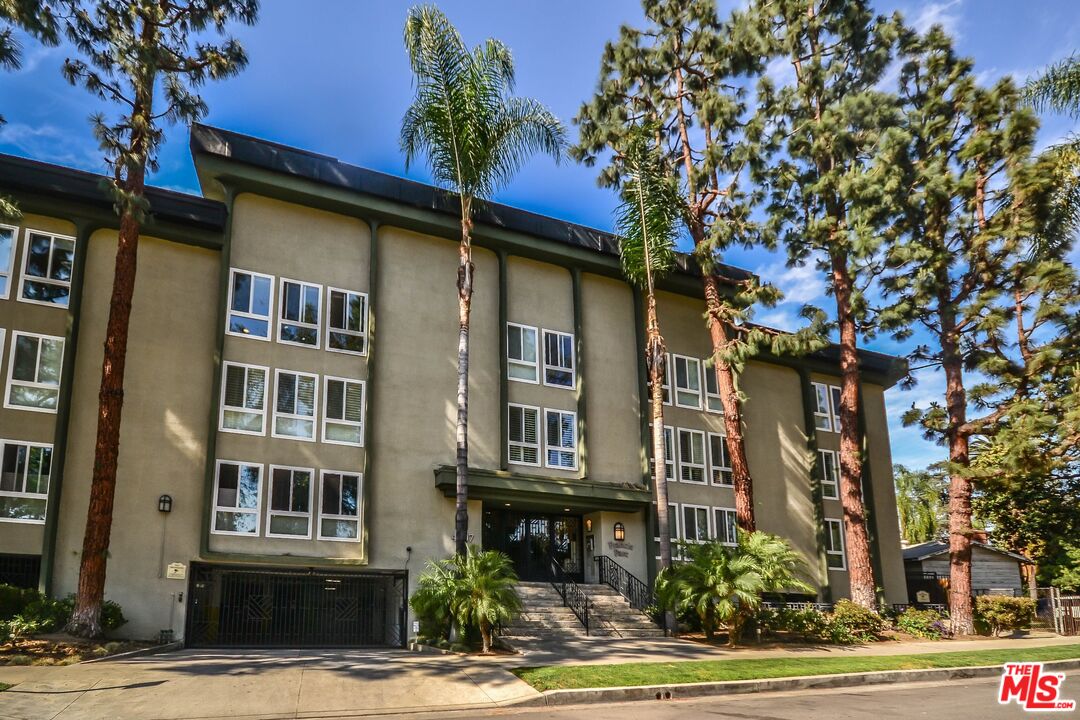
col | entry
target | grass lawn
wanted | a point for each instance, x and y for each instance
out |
(569, 677)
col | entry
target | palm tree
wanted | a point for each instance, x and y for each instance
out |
(921, 503)
(484, 594)
(781, 568)
(647, 222)
(475, 136)
(1057, 89)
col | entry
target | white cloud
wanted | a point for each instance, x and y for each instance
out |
(800, 284)
(49, 143)
(938, 13)
(780, 71)
(781, 319)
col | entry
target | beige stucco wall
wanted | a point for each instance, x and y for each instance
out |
(164, 429)
(886, 523)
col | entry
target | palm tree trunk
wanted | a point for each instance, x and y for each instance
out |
(485, 636)
(961, 613)
(860, 567)
(465, 290)
(655, 352)
(721, 335)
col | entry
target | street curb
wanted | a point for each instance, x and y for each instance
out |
(744, 687)
(152, 650)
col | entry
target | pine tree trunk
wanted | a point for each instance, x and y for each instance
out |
(655, 358)
(465, 290)
(721, 337)
(961, 613)
(856, 536)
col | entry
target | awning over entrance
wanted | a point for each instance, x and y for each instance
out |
(538, 492)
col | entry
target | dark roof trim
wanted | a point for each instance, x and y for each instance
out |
(934, 548)
(23, 176)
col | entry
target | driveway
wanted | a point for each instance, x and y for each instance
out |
(257, 684)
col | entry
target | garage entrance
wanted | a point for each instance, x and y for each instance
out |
(295, 607)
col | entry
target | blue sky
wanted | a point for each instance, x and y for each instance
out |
(331, 76)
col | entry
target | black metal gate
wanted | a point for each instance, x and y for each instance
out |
(245, 607)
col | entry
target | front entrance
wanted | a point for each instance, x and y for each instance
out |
(532, 539)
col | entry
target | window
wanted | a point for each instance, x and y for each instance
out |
(719, 460)
(346, 325)
(294, 409)
(712, 392)
(834, 395)
(687, 382)
(523, 432)
(250, 300)
(290, 502)
(691, 456)
(558, 359)
(673, 522)
(695, 523)
(339, 509)
(47, 268)
(298, 314)
(826, 407)
(666, 385)
(560, 439)
(7, 258)
(726, 526)
(243, 399)
(829, 472)
(24, 481)
(834, 545)
(34, 372)
(521, 362)
(343, 411)
(236, 498)
(669, 453)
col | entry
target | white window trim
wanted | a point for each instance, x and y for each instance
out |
(716, 527)
(537, 350)
(250, 315)
(708, 522)
(282, 321)
(221, 411)
(669, 457)
(573, 360)
(704, 465)
(674, 381)
(314, 417)
(540, 432)
(222, 508)
(23, 383)
(350, 518)
(361, 334)
(831, 414)
(23, 276)
(824, 475)
(326, 405)
(675, 532)
(26, 495)
(712, 462)
(560, 448)
(706, 373)
(666, 386)
(270, 511)
(834, 398)
(9, 271)
(842, 552)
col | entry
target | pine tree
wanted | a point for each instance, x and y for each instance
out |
(830, 198)
(135, 51)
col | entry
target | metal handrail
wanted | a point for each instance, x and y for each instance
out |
(637, 593)
(572, 596)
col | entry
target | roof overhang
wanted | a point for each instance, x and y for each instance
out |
(535, 492)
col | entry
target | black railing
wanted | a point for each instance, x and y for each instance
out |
(572, 596)
(637, 593)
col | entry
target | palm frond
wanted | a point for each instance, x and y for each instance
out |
(1057, 89)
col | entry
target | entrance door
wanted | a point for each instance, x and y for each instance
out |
(532, 539)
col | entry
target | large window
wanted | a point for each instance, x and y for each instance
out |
(296, 398)
(829, 470)
(523, 434)
(24, 481)
(669, 453)
(250, 300)
(346, 321)
(687, 382)
(243, 399)
(289, 514)
(560, 439)
(339, 508)
(7, 258)
(558, 359)
(47, 268)
(237, 486)
(521, 360)
(726, 526)
(298, 313)
(712, 393)
(34, 372)
(691, 456)
(695, 523)
(673, 522)
(834, 545)
(343, 411)
(826, 407)
(719, 460)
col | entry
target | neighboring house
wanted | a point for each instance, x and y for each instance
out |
(290, 388)
(993, 571)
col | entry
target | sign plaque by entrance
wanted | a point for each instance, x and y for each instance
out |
(922, 596)
(176, 571)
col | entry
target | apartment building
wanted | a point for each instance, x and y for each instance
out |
(287, 449)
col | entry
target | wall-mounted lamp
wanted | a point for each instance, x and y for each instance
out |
(164, 503)
(588, 524)
(620, 531)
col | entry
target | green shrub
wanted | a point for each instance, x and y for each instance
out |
(850, 623)
(50, 615)
(929, 624)
(19, 627)
(810, 624)
(1001, 613)
(5, 631)
(14, 599)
